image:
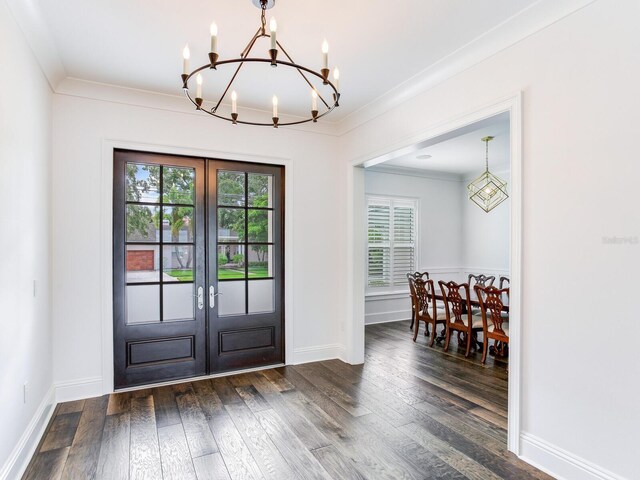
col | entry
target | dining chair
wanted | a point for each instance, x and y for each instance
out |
(495, 323)
(504, 281)
(424, 303)
(414, 275)
(482, 280)
(459, 317)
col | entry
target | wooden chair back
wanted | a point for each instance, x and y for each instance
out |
(425, 294)
(481, 279)
(457, 302)
(491, 303)
(504, 282)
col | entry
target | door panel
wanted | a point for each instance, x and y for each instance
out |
(159, 267)
(245, 209)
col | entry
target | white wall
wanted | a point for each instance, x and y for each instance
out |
(81, 126)
(25, 338)
(440, 233)
(579, 79)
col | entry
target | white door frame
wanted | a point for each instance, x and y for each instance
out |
(106, 243)
(356, 251)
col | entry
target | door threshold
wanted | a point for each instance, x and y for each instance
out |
(196, 379)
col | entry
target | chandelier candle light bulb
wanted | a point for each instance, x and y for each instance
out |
(275, 106)
(186, 54)
(314, 100)
(273, 26)
(234, 102)
(336, 78)
(214, 37)
(325, 54)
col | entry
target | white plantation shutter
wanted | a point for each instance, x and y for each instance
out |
(391, 232)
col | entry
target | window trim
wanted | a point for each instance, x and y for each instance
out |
(390, 200)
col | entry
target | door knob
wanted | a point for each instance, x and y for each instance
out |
(200, 298)
(212, 296)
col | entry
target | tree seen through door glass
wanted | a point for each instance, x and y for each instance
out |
(177, 224)
(177, 263)
(178, 185)
(142, 182)
(260, 190)
(143, 223)
(231, 188)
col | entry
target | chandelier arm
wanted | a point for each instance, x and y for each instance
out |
(244, 54)
(261, 60)
(251, 43)
(303, 75)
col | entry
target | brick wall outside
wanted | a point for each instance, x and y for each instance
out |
(139, 260)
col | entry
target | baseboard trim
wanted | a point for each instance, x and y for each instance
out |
(317, 353)
(559, 463)
(19, 459)
(78, 389)
(404, 318)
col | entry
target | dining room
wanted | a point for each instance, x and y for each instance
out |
(438, 274)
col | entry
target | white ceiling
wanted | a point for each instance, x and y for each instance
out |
(460, 153)
(377, 45)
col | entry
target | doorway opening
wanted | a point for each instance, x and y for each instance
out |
(367, 308)
(198, 267)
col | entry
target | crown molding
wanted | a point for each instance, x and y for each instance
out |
(76, 87)
(525, 23)
(36, 32)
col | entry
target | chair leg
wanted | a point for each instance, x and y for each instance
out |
(413, 319)
(433, 334)
(468, 335)
(415, 330)
(485, 347)
(447, 338)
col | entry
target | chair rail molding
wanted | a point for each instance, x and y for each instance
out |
(355, 271)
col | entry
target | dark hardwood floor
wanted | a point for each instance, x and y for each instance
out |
(410, 412)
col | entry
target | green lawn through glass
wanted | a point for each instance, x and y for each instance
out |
(223, 273)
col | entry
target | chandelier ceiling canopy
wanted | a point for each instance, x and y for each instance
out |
(488, 190)
(328, 99)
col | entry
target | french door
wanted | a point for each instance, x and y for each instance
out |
(198, 266)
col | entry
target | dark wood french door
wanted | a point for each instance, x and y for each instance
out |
(198, 266)
(246, 288)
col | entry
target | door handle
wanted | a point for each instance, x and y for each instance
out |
(212, 296)
(200, 298)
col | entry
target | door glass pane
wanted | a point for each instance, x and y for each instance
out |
(177, 224)
(142, 223)
(231, 260)
(143, 304)
(142, 182)
(142, 263)
(178, 185)
(260, 225)
(261, 296)
(177, 263)
(178, 302)
(260, 190)
(231, 188)
(260, 261)
(230, 225)
(231, 300)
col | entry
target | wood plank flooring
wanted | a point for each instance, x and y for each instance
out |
(410, 412)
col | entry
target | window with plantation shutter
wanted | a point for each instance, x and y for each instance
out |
(391, 249)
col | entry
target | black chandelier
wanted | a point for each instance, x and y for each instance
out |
(273, 61)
